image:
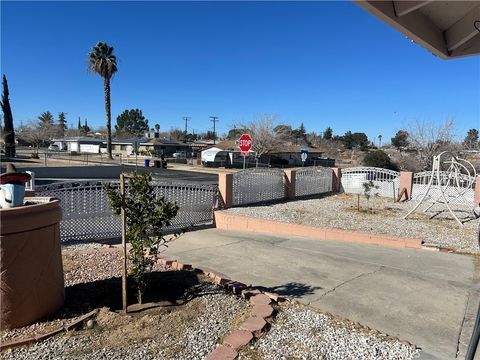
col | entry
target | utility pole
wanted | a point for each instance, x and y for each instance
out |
(214, 120)
(187, 119)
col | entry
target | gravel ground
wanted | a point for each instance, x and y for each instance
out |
(189, 330)
(188, 340)
(340, 211)
(300, 332)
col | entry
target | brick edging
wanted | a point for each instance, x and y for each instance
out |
(232, 222)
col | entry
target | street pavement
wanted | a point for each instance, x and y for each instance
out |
(427, 298)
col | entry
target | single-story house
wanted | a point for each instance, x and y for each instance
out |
(81, 144)
(166, 147)
(127, 146)
(228, 154)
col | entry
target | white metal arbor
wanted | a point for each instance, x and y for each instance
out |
(450, 186)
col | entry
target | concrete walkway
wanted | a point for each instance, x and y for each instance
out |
(427, 298)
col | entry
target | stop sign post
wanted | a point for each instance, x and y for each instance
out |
(245, 144)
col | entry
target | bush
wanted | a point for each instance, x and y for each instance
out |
(380, 159)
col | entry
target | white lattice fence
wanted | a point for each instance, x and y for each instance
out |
(388, 181)
(313, 181)
(455, 193)
(87, 214)
(258, 185)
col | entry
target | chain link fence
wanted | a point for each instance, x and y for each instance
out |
(387, 181)
(257, 185)
(313, 181)
(87, 215)
(456, 191)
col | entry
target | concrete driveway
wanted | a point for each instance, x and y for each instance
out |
(428, 298)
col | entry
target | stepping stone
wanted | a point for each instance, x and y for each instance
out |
(222, 353)
(260, 299)
(263, 311)
(254, 324)
(238, 338)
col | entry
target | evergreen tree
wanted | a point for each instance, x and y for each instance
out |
(62, 124)
(132, 122)
(400, 140)
(8, 130)
(471, 140)
(328, 133)
(46, 119)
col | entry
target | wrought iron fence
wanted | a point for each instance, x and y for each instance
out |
(87, 214)
(456, 192)
(387, 181)
(313, 181)
(258, 185)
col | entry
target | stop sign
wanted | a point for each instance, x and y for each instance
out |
(245, 142)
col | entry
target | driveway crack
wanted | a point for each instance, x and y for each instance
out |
(352, 279)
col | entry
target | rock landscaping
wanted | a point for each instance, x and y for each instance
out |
(434, 228)
(300, 332)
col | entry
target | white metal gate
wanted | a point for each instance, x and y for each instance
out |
(388, 181)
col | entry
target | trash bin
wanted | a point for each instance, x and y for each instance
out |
(157, 163)
(146, 162)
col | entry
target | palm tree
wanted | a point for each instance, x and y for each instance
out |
(379, 140)
(102, 61)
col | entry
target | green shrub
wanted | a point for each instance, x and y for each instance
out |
(380, 159)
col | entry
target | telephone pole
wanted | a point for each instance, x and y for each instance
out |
(214, 120)
(187, 119)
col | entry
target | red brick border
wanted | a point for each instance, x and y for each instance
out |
(231, 222)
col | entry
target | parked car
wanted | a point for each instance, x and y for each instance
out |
(180, 155)
(54, 147)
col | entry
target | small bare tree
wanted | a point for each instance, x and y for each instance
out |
(264, 138)
(431, 138)
(37, 134)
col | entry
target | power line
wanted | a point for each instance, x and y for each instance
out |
(214, 120)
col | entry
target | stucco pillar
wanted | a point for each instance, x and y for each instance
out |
(406, 182)
(476, 196)
(336, 179)
(225, 187)
(290, 188)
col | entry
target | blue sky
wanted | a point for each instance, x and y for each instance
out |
(320, 63)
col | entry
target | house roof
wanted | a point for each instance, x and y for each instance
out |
(158, 141)
(129, 141)
(448, 29)
(80, 139)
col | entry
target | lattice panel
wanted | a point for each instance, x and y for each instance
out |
(196, 203)
(313, 181)
(258, 185)
(87, 214)
(456, 193)
(388, 181)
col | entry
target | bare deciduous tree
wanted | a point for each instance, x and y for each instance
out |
(264, 138)
(37, 134)
(431, 138)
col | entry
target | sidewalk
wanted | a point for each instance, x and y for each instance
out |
(427, 298)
